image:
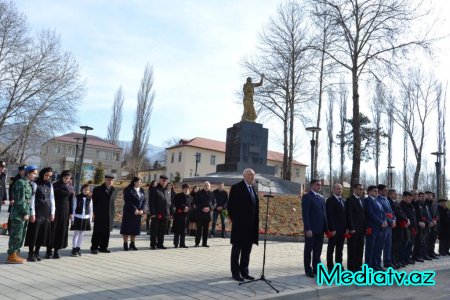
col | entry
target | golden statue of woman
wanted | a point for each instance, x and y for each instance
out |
(249, 108)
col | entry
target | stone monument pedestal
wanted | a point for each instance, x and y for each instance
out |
(246, 147)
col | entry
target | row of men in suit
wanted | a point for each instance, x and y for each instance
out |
(404, 232)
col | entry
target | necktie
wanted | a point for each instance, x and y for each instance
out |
(341, 201)
(250, 189)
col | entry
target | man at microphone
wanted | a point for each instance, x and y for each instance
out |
(243, 211)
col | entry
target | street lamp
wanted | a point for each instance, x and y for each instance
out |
(197, 160)
(391, 180)
(77, 184)
(76, 158)
(438, 172)
(313, 145)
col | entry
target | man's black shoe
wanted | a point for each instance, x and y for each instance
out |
(184, 246)
(427, 258)
(309, 274)
(238, 278)
(248, 277)
(104, 251)
(152, 247)
(207, 246)
(93, 251)
(161, 247)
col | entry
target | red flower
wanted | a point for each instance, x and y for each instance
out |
(389, 215)
(347, 235)
(403, 223)
(179, 210)
(413, 231)
(159, 216)
(423, 219)
(368, 230)
(328, 234)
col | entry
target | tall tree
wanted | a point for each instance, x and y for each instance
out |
(441, 139)
(343, 96)
(419, 94)
(325, 68)
(285, 59)
(390, 133)
(330, 124)
(141, 127)
(115, 123)
(377, 107)
(39, 82)
(367, 34)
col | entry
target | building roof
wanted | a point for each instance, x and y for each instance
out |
(91, 140)
(202, 143)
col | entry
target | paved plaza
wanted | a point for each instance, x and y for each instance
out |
(194, 273)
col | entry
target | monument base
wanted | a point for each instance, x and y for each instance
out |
(246, 147)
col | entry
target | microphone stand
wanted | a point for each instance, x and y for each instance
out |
(263, 277)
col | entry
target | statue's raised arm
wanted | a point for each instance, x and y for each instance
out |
(249, 90)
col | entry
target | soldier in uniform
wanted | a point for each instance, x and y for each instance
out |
(20, 212)
(20, 175)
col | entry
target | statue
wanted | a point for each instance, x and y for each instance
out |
(249, 109)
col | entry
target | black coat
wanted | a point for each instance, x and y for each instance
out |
(103, 201)
(159, 202)
(355, 214)
(411, 215)
(180, 202)
(444, 223)
(336, 215)
(201, 200)
(3, 191)
(64, 195)
(221, 198)
(131, 223)
(244, 214)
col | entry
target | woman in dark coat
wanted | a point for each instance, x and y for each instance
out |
(180, 210)
(64, 194)
(133, 209)
(203, 202)
(192, 227)
(443, 228)
(42, 213)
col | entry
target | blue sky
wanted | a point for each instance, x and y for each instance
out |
(195, 48)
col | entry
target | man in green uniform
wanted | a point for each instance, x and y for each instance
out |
(20, 212)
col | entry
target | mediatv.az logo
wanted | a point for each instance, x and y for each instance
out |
(367, 276)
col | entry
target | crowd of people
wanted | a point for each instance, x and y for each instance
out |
(382, 231)
(42, 212)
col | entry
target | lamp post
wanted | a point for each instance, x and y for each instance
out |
(77, 184)
(76, 158)
(391, 181)
(197, 160)
(438, 172)
(313, 130)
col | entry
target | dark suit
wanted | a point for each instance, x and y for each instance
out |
(374, 242)
(355, 221)
(314, 216)
(243, 211)
(387, 232)
(336, 220)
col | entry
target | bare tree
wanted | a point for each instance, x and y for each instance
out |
(326, 67)
(343, 96)
(115, 123)
(367, 34)
(441, 138)
(141, 127)
(330, 124)
(39, 83)
(285, 60)
(377, 107)
(419, 94)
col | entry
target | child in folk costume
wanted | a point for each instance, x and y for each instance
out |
(81, 218)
